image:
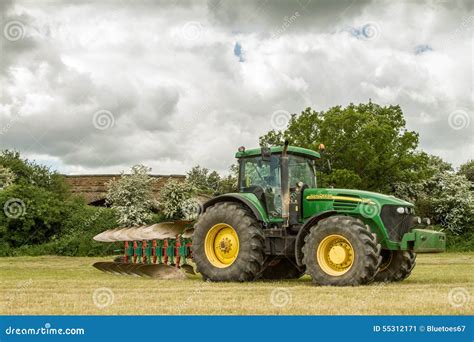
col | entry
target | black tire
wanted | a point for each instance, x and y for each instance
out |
(250, 258)
(366, 251)
(396, 265)
(281, 268)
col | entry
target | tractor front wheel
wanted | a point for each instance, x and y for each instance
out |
(228, 243)
(341, 251)
(396, 265)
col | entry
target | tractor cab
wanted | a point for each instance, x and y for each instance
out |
(275, 173)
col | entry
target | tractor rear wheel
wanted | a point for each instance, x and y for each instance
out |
(228, 243)
(396, 265)
(281, 268)
(341, 251)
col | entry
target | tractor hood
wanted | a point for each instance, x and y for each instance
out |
(347, 194)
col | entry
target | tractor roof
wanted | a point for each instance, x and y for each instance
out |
(278, 149)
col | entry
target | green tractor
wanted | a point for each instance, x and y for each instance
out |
(281, 225)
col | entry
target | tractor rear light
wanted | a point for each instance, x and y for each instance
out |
(241, 149)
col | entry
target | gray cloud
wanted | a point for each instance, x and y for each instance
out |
(97, 86)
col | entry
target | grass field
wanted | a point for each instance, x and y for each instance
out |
(440, 284)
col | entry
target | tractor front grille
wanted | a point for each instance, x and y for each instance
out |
(396, 224)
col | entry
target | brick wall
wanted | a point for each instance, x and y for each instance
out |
(94, 190)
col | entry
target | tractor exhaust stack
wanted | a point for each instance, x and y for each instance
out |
(285, 186)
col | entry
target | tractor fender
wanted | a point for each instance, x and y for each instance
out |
(248, 200)
(313, 220)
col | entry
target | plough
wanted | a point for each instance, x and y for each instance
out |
(158, 251)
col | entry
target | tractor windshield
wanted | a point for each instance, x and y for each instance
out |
(262, 173)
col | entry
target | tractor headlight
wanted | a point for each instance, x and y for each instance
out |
(427, 221)
(400, 210)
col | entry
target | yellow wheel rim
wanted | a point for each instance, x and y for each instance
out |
(335, 255)
(221, 245)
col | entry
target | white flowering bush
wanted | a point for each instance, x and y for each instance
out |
(131, 196)
(450, 201)
(174, 199)
(7, 177)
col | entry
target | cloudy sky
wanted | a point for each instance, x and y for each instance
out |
(97, 86)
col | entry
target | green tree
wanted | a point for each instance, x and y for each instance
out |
(204, 181)
(446, 198)
(368, 145)
(29, 173)
(30, 215)
(229, 183)
(201, 180)
(33, 203)
(131, 196)
(174, 197)
(7, 177)
(467, 170)
(412, 190)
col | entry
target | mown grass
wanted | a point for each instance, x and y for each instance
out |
(66, 285)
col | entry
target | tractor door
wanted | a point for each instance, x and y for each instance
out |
(301, 175)
(262, 178)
